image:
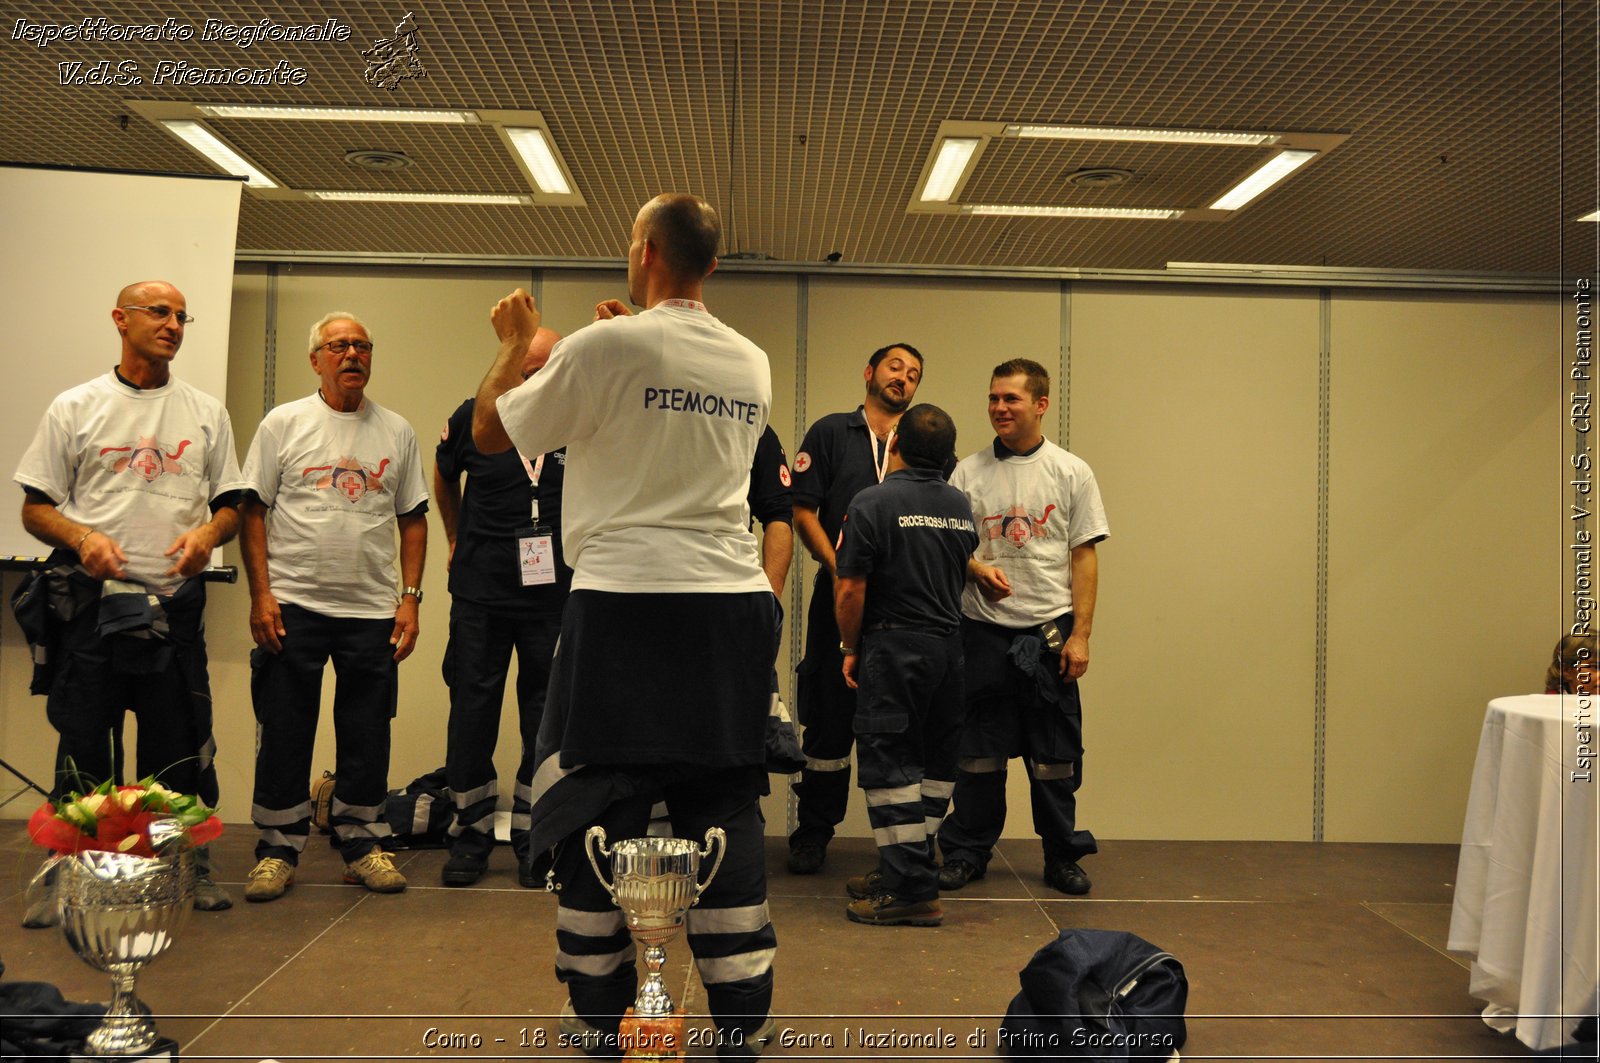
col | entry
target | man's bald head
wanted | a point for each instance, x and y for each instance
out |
(544, 341)
(145, 293)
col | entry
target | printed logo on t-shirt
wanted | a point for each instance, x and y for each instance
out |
(349, 477)
(802, 461)
(146, 458)
(1016, 527)
(783, 475)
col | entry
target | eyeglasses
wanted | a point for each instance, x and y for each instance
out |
(163, 312)
(340, 346)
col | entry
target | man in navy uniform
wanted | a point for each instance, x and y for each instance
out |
(1026, 622)
(902, 562)
(841, 454)
(508, 583)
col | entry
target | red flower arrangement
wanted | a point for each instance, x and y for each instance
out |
(117, 819)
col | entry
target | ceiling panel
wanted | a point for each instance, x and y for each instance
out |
(1470, 123)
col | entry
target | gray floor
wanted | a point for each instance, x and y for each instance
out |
(1293, 951)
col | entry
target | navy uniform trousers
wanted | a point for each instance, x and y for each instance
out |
(1010, 714)
(908, 733)
(825, 708)
(476, 661)
(286, 689)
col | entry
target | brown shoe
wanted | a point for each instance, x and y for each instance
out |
(885, 909)
(863, 886)
(268, 879)
(376, 871)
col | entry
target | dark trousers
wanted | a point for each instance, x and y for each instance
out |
(908, 733)
(93, 688)
(728, 932)
(286, 688)
(825, 708)
(1009, 716)
(475, 665)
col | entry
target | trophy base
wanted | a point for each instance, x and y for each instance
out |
(165, 1048)
(646, 1038)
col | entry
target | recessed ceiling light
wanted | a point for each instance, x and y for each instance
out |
(426, 197)
(1023, 211)
(1276, 169)
(1159, 136)
(337, 114)
(534, 146)
(227, 159)
(948, 166)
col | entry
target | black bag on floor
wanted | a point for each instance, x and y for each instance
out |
(1097, 994)
(419, 815)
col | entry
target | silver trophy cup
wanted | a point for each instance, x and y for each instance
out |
(655, 881)
(119, 912)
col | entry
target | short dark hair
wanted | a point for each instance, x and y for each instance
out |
(882, 352)
(686, 230)
(1038, 376)
(927, 437)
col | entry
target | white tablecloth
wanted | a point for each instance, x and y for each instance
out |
(1525, 899)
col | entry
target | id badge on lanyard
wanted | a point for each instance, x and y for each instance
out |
(536, 551)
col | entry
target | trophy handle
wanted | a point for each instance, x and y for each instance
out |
(716, 838)
(596, 839)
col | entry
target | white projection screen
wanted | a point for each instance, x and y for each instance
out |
(72, 240)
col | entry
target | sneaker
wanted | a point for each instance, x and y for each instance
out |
(268, 879)
(210, 897)
(957, 873)
(1066, 876)
(580, 1034)
(753, 1045)
(863, 886)
(805, 858)
(885, 909)
(376, 871)
(463, 870)
(532, 871)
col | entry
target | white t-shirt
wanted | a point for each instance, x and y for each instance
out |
(335, 483)
(1031, 511)
(660, 413)
(142, 466)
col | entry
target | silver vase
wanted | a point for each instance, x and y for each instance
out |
(119, 912)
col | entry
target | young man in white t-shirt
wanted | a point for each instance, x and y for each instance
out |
(1027, 614)
(662, 673)
(337, 472)
(133, 477)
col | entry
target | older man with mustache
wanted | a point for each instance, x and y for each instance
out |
(337, 472)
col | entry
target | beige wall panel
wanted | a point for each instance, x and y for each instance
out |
(1446, 527)
(963, 329)
(1197, 410)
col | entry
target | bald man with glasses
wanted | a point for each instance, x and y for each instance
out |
(133, 479)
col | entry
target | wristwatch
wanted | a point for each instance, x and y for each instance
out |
(415, 592)
(848, 651)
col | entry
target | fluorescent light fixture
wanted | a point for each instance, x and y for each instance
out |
(337, 114)
(1156, 136)
(206, 143)
(427, 197)
(948, 166)
(1022, 211)
(534, 147)
(1276, 169)
(1593, 215)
